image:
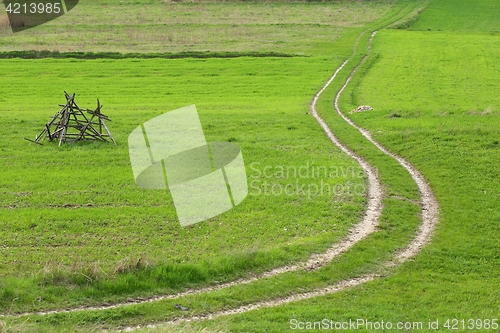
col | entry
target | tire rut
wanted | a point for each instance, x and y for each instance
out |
(375, 195)
(428, 203)
(360, 231)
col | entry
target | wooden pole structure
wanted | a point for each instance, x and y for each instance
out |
(72, 123)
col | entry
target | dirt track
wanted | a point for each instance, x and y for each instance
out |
(429, 214)
(358, 232)
(362, 230)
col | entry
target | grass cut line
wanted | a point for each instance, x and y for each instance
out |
(43, 54)
(411, 18)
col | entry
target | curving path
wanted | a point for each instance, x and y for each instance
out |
(358, 232)
(429, 214)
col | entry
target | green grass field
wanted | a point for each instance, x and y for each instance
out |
(436, 101)
(164, 26)
(79, 206)
(75, 229)
(73, 217)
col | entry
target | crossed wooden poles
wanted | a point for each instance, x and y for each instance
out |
(71, 124)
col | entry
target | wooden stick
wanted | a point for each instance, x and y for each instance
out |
(107, 130)
(34, 141)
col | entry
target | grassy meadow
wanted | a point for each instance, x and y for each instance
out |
(436, 101)
(198, 26)
(77, 208)
(72, 217)
(76, 230)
